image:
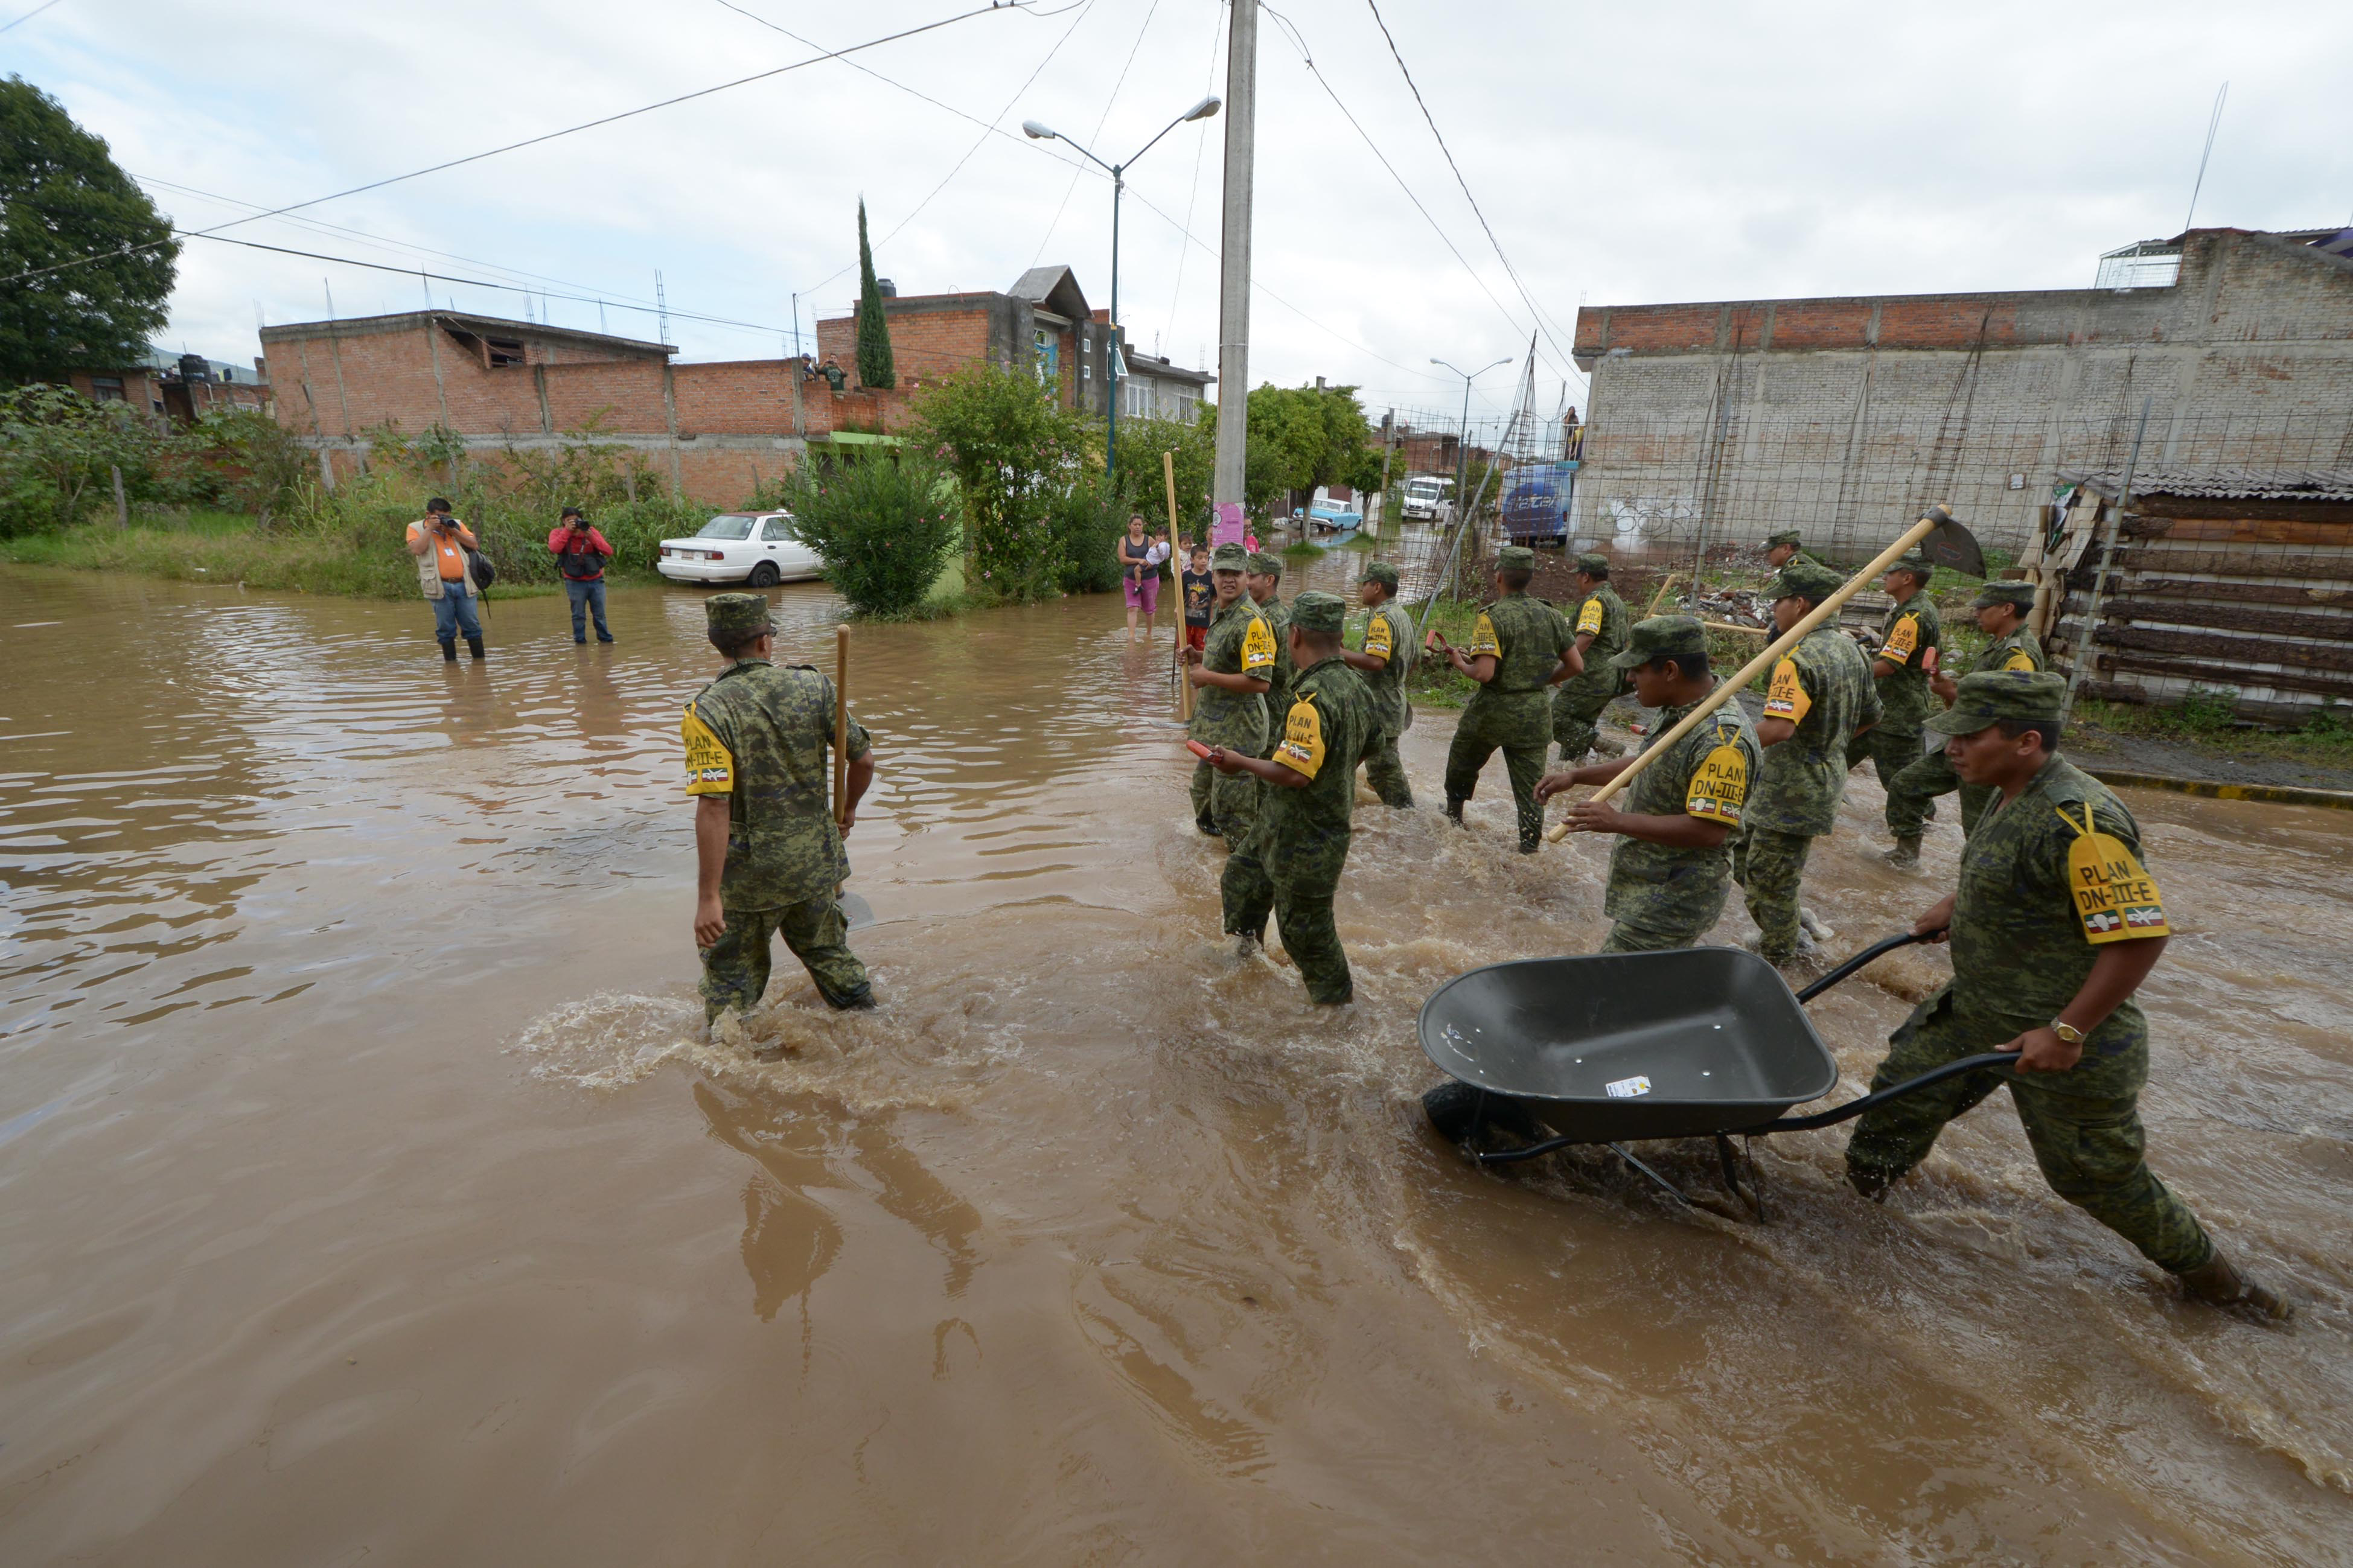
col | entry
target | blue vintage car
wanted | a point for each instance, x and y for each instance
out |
(1334, 517)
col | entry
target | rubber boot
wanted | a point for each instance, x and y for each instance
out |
(473, 648)
(2217, 1284)
(1905, 856)
(1454, 809)
(1809, 922)
(449, 651)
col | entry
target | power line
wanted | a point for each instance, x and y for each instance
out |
(1100, 121)
(534, 140)
(1541, 320)
(28, 16)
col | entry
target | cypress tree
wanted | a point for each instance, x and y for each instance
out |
(875, 366)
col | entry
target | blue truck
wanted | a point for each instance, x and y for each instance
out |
(1536, 502)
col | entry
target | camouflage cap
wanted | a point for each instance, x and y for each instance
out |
(1788, 536)
(1515, 558)
(1265, 565)
(1229, 558)
(1593, 565)
(731, 617)
(2019, 596)
(1662, 637)
(1384, 573)
(1990, 696)
(1803, 578)
(1919, 565)
(1315, 611)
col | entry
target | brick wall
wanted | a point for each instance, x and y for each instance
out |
(1844, 416)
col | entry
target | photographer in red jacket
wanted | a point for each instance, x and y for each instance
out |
(580, 553)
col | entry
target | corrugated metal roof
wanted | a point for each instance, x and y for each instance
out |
(2233, 483)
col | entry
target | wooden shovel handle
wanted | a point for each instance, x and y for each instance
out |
(840, 723)
(1726, 690)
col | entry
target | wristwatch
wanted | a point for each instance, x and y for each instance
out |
(2067, 1033)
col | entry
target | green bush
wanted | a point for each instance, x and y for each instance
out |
(1016, 450)
(1084, 526)
(884, 525)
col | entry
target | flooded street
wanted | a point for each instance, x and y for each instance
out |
(371, 1197)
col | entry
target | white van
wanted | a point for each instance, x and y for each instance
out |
(1425, 496)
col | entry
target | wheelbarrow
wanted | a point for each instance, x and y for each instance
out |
(1609, 1049)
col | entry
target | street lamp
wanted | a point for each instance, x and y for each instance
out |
(1463, 442)
(1031, 128)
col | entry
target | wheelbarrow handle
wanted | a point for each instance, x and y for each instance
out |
(1855, 1108)
(1875, 950)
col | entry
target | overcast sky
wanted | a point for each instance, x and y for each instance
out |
(1653, 153)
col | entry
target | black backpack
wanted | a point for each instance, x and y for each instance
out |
(479, 567)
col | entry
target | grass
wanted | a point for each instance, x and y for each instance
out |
(225, 547)
(2206, 722)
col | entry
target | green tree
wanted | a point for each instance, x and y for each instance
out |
(57, 451)
(63, 197)
(874, 364)
(1142, 486)
(1016, 450)
(885, 525)
(1311, 436)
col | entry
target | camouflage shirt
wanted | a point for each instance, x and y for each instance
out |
(762, 735)
(1706, 776)
(2046, 882)
(1603, 613)
(1278, 685)
(2019, 650)
(1239, 643)
(1388, 636)
(1326, 728)
(1527, 637)
(1824, 685)
(1910, 638)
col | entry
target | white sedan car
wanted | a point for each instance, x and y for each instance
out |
(754, 548)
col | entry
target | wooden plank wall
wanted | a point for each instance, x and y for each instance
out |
(2260, 604)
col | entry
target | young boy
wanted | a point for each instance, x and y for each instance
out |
(1200, 596)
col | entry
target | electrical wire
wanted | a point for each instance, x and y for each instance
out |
(533, 141)
(1100, 121)
(1200, 151)
(28, 16)
(1543, 322)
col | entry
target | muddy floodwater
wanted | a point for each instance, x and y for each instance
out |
(369, 1195)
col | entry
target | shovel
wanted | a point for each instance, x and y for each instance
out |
(1944, 540)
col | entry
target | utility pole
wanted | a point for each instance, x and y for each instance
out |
(1389, 446)
(1234, 254)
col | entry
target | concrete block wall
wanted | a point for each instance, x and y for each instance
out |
(1843, 417)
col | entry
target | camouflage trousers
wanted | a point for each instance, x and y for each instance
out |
(1224, 803)
(1577, 710)
(735, 967)
(2083, 1124)
(1892, 747)
(1769, 864)
(1298, 886)
(1384, 770)
(1653, 917)
(1933, 775)
(1514, 724)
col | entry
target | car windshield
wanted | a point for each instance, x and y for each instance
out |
(727, 525)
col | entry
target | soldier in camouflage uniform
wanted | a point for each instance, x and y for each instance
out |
(1601, 624)
(1786, 546)
(1520, 647)
(2054, 925)
(1291, 862)
(1671, 871)
(1385, 661)
(1264, 576)
(2002, 609)
(1822, 694)
(1911, 639)
(1231, 672)
(768, 849)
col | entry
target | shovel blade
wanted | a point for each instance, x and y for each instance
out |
(1952, 546)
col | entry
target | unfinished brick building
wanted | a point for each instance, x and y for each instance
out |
(1725, 421)
(716, 431)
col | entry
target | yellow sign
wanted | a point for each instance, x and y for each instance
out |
(1258, 646)
(1720, 788)
(1301, 750)
(710, 766)
(1902, 641)
(1588, 619)
(2115, 899)
(1483, 640)
(1378, 638)
(1786, 697)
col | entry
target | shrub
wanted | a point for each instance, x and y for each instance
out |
(1084, 526)
(884, 525)
(1014, 450)
(57, 451)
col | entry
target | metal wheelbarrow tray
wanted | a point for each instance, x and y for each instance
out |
(1608, 1049)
